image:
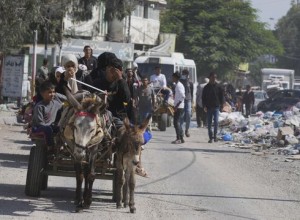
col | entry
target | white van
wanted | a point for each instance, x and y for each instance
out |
(168, 64)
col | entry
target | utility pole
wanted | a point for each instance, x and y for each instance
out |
(129, 23)
(46, 33)
(35, 37)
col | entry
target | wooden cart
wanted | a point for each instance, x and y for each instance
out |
(41, 165)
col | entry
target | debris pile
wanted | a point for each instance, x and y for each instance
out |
(276, 130)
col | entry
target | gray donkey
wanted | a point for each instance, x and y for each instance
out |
(83, 134)
(129, 141)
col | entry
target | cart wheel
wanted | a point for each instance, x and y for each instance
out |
(170, 119)
(35, 170)
(114, 187)
(163, 122)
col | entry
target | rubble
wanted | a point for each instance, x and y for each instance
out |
(278, 131)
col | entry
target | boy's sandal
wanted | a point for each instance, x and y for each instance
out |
(141, 172)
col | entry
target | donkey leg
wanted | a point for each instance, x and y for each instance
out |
(131, 190)
(120, 183)
(79, 180)
(90, 178)
(125, 189)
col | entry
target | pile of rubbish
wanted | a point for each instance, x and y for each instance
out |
(277, 130)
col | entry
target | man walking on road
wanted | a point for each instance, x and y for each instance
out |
(179, 108)
(248, 100)
(212, 100)
(200, 113)
(189, 90)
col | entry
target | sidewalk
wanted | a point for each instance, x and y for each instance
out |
(8, 114)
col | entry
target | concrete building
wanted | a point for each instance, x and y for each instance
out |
(141, 28)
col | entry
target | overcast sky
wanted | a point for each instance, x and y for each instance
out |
(271, 10)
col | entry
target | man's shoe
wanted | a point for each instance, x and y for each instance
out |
(210, 141)
(187, 134)
(182, 141)
(176, 141)
(215, 139)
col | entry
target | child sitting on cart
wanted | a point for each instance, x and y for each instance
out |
(45, 112)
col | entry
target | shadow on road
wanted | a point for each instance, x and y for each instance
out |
(23, 142)
(29, 142)
(15, 203)
(14, 160)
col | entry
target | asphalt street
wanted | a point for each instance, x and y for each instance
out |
(194, 180)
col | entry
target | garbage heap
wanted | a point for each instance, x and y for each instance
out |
(279, 130)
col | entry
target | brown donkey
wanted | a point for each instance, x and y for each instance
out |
(129, 141)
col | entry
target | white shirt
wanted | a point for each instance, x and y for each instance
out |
(199, 92)
(179, 95)
(158, 80)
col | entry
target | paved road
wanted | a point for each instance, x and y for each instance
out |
(194, 180)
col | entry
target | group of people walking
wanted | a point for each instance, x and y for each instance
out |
(132, 94)
(211, 98)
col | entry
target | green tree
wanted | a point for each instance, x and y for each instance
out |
(218, 34)
(288, 32)
(19, 18)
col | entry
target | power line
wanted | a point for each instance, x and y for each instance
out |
(290, 57)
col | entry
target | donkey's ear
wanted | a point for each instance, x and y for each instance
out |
(126, 123)
(71, 99)
(98, 104)
(145, 123)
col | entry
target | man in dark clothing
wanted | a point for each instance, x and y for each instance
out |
(248, 100)
(189, 91)
(212, 100)
(102, 62)
(88, 60)
(119, 94)
(133, 84)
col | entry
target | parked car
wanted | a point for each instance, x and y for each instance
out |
(280, 101)
(259, 95)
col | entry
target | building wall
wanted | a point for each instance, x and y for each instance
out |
(143, 29)
(95, 28)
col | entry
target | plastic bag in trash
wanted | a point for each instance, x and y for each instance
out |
(288, 114)
(278, 124)
(227, 137)
(268, 114)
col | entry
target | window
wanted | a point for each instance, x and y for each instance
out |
(139, 11)
(150, 12)
(153, 13)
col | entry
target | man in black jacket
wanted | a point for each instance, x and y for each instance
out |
(116, 85)
(213, 100)
(88, 60)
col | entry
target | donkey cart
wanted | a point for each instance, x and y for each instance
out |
(163, 112)
(83, 149)
(89, 146)
(42, 164)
